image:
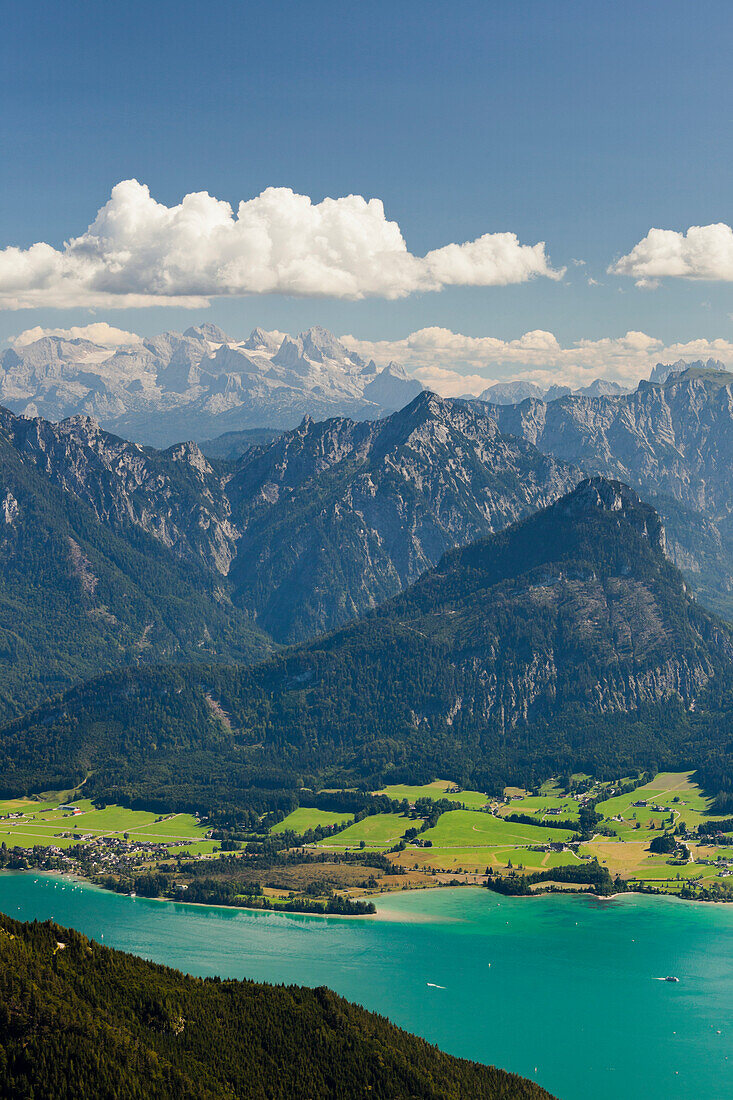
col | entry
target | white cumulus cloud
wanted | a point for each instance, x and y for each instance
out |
(703, 252)
(99, 332)
(140, 252)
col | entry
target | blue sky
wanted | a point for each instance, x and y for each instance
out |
(582, 125)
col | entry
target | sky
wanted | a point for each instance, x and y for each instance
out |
(487, 189)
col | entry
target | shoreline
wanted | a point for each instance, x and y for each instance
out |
(78, 880)
(381, 915)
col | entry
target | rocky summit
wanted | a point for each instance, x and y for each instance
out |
(673, 441)
(307, 531)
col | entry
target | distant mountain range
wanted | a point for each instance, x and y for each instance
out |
(305, 531)
(511, 393)
(566, 642)
(518, 390)
(200, 383)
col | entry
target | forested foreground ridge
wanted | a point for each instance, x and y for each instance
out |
(81, 1020)
(566, 642)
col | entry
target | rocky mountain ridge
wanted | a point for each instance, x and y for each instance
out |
(80, 594)
(338, 516)
(317, 526)
(198, 384)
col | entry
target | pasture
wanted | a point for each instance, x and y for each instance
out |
(305, 818)
(471, 828)
(379, 831)
(472, 800)
(55, 825)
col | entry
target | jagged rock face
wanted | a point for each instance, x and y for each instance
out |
(676, 438)
(319, 525)
(340, 515)
(672, 441)
(662, 371)
(83, 587)
(198, 384)
(175, 496)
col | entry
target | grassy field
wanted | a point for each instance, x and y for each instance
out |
(476, 860)
(464, 841)
(48, 824)
(539, 805)
(470, 828)
(676, 794)
(304, 818)
(469, 841)
(473, 800)
(380, 831)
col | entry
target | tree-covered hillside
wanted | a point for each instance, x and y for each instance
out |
(567, 642)
(80, 1020)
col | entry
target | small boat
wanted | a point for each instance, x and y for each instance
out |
(671, 978)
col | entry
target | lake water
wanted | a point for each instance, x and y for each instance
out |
(564, 990)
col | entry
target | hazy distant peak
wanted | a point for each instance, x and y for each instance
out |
(261, 340)
(556, 392)
(319, 344)
(207, 331)
(663, 371)
(510, 393)
(396, 370)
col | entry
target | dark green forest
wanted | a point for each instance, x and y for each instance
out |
(81, 1020)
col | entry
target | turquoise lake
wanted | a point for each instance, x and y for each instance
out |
(564, 990)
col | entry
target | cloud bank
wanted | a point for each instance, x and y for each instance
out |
(139, 252)
(453, 364)
(98, 332)
(703, 252)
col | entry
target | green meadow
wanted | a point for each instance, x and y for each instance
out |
(473, 800)
(49, 824)
(680, 800)
(471, 828)
(305, 818)
(378, 831)
(538, 805)
(462, 841)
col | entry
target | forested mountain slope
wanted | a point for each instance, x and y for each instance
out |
(175, 496)
(567, 641)
(80, 1020)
